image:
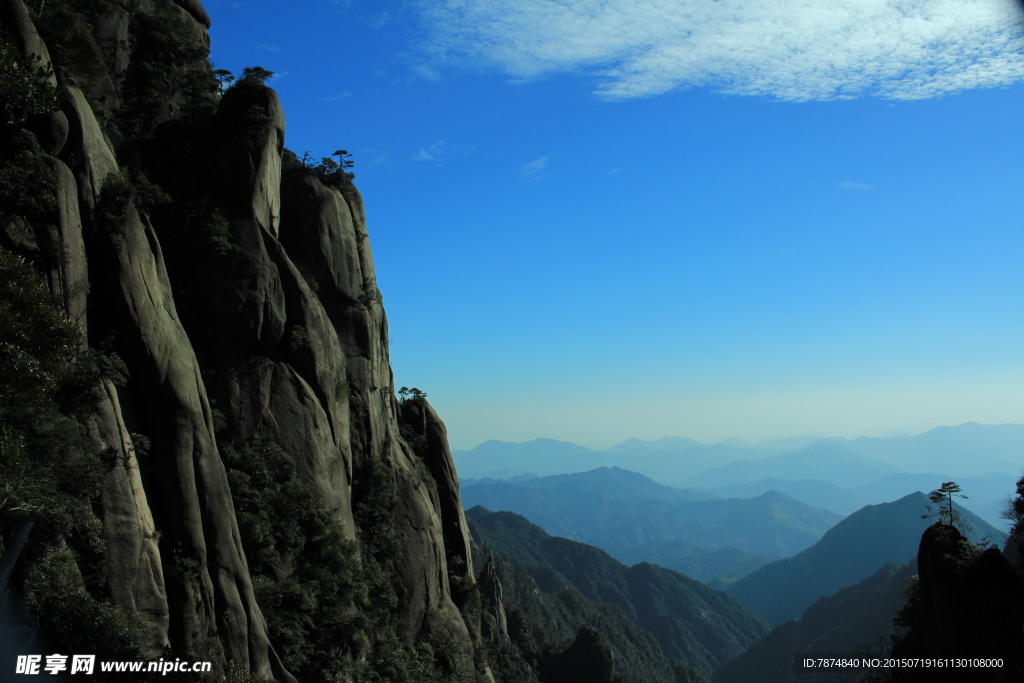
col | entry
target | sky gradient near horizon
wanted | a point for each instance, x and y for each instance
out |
(600, 220)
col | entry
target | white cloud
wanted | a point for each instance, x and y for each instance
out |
(855, 186)
(430, 153)
(535, 170)
(788, 49)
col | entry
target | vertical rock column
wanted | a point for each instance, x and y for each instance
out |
(209, 596)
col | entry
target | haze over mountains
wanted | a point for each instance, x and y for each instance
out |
(836, 474)
(619, 510)
(849, 552)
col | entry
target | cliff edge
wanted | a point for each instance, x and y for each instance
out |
(226, 305)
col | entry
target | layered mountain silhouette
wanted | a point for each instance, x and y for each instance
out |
(987, 492)
(620, 511)
(717, 568)
(835, 474)
(828, 461)
(851, 551)
(691, 622)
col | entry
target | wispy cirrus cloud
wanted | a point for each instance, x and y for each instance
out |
(344, 94)
(432, 152)
(535, 170)
(786, 49)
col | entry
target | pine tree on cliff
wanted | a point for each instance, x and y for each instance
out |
(947, 513)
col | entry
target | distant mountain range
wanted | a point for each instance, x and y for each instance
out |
(828, 461)
(693, 624)
(835, 474)
(621, 511)
(849, 552)
(987, 491)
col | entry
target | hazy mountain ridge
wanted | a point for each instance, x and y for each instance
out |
(668, 459)
(718, 568)
(983, 458)
(849, 552)
(618, 510)
(828, 461)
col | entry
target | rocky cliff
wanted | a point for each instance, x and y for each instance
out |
(966, 604)
(231, 288)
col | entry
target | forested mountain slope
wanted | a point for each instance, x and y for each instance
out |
(693, 624)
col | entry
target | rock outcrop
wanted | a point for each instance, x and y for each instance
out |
(275, 332)
(967, 605)
(495, 623)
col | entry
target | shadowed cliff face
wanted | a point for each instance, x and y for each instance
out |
(268, 325)
(967, 604)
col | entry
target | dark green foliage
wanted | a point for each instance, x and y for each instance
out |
(412, 424)
(166, 59)
(329, 603)
(298, 340)
(46, 461)
(65, 28)
(305, 573)
(331, 173)
(50, 470)
(388, 658)
(254, 76)
(28, 182)
(24, 89)
(111, 211)
(79, 389)
(947, 512)
(224, 79)
(72, 619)
(405, 394)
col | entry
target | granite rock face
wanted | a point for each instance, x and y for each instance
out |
(284, 338)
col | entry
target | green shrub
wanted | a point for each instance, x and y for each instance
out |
(70, 618)
(304, 572)
(24, 88)
(64, 27)
(28, 180)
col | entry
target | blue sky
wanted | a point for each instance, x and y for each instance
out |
(595, 220)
